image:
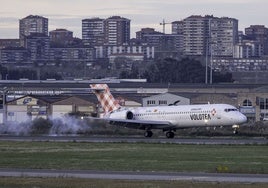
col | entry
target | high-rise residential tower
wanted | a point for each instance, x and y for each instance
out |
(210, 35)
(195, 35)
(93, 31)
(32, 24)
(223, 36)
(116, 30)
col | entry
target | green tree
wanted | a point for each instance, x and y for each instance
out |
(3, 72)
(180, 71)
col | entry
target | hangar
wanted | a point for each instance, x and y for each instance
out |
(165, 99)
(30, 107)
(73, 105)
(26, 108)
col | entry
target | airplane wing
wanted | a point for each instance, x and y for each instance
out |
(136, 124)
(140, 124)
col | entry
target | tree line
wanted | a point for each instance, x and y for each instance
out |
(170, 70)
(18, 73)
(166, 70)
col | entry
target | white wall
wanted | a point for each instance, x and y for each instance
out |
(59, 111)
(17, 113)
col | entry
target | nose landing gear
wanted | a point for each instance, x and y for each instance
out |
(235, 129)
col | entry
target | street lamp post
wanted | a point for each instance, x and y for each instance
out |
(211, 50)
(4, 91)
(211, 62)
(206, 75)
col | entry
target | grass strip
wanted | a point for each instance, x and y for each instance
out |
(135, 157)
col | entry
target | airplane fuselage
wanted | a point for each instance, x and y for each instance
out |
(167, 118)
(185, 115)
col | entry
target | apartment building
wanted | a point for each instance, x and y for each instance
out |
(209, 35)
(248, 49)
(4, 43)
(223, 36)
(160, 41)
(93, 31)
(146, 31)
(258, 33)
(143, 51)
(61, 37)
(32, 24)
(116, 30)
(177, 27)
(195, 35)
(13, 55)
(37, 44)
(83, 55)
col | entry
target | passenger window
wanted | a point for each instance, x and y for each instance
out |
(230, 109)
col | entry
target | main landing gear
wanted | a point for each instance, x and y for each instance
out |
(148, 134)
(170, 134)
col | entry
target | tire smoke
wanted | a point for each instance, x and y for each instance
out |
(51, 126)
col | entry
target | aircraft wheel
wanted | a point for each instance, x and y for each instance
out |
(235, 131)
(170, 134)
(148, 134)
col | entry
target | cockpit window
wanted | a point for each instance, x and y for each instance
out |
(230, 109)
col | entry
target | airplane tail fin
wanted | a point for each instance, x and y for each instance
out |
(105, 97)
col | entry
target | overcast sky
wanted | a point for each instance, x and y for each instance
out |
(68, 14)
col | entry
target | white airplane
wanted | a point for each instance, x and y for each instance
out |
(167, 118)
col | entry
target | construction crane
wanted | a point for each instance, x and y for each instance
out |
(164, 25)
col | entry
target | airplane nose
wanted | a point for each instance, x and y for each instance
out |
(243, 118)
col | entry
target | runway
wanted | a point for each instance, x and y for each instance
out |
(133, 139)
(116, 175)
